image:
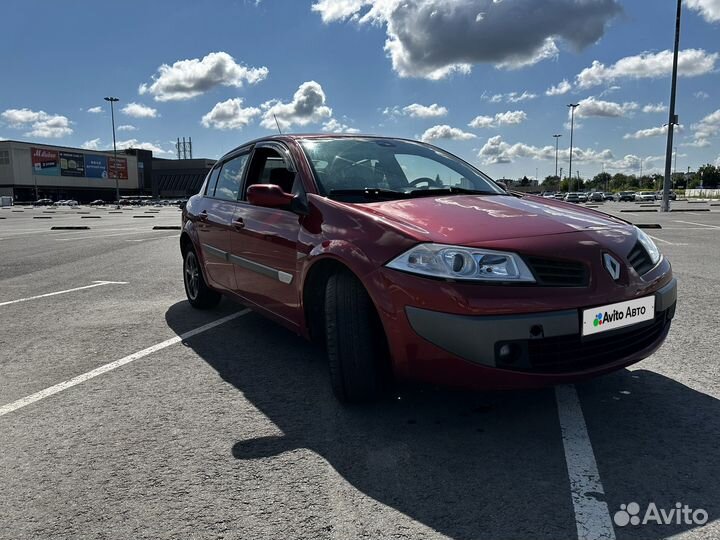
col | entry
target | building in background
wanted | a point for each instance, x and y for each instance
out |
(178, 177)
(30, 171)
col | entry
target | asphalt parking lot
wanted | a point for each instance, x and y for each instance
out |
(122, 415)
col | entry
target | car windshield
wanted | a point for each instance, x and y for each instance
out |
(370, 168)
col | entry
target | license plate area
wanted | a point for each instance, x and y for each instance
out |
(619, 315)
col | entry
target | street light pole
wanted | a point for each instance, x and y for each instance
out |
(112, 100)
(672, 116)
(572, 129)
(557, 139)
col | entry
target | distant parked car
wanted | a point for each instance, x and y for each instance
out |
(548, 194)
(597, 196)
(608, 196)
(71, 202)
(572, 197)
(560, 196)
(97, 202)
(659, 196)
(583, 197)
(645, 196)
(625, 196)
(43, 202)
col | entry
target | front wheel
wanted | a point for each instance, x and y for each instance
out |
(356, 345)
(198, 293)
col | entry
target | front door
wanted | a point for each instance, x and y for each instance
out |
(264, 245)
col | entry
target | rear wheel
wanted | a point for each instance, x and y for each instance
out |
(356, 346)
(198, 293)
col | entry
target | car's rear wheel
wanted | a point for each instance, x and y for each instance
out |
(198, 293)
(356, 345)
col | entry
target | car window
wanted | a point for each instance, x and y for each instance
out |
(268, 167)
(416, 167)
(399, 168)
(228, 184)
(212, 181)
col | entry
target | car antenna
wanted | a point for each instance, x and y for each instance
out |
(277, 124)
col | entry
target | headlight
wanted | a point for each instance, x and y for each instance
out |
(649, 246)
(457, 262)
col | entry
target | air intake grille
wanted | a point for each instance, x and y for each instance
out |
(573, 353)
(558, 273)
(639, 259)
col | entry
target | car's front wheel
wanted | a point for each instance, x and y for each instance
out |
(198, 293)
(355, 340)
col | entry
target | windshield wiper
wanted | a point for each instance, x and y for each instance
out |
(372, 193)
(451, 190)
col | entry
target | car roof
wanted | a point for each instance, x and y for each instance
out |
(286, 137)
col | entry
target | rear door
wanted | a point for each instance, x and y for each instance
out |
(215, 220)
(264, 244)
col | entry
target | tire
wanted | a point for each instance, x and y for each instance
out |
(198, 293)
(355, 341)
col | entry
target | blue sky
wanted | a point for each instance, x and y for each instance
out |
(472, 76)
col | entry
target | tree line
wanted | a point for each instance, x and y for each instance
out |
(707, 176)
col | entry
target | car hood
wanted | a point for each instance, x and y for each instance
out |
(471, 219)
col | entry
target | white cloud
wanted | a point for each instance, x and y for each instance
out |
(126, 127)
(40, 123)
(497, 151)
(500, 119)
(229, 114)
(134, 143)
(563, 87)
(425, 111)
(655, 108)
(437, 38)
(95, 110)
(186, 79)
(709, 9)
(138, 110)
(335, 126)
(20, 117)
(446, 132)
(92, 144)
(651, 132)
(592, 106)
(691, 63)
(701, 95)
(307, 106)
(510, 97)
(705, 129)
(513, 97)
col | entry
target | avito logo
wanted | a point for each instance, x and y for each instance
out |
(603, 318)
(629, 514)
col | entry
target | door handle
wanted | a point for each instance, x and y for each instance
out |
(239, 223)
(203, 216)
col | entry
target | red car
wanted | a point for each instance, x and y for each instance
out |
(411, 264)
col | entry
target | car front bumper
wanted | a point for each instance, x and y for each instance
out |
(461, 346)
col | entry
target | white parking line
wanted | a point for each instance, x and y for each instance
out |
(700, 224)
(592, 516)
(95, 284)
(52, 390)
(665, 241)
(154, 238)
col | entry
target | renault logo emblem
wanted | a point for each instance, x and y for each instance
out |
(612, 266)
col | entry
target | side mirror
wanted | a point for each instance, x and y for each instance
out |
(268, 195)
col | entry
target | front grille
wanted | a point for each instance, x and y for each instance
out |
(558, 273)
(573, 353)
(639, 259)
